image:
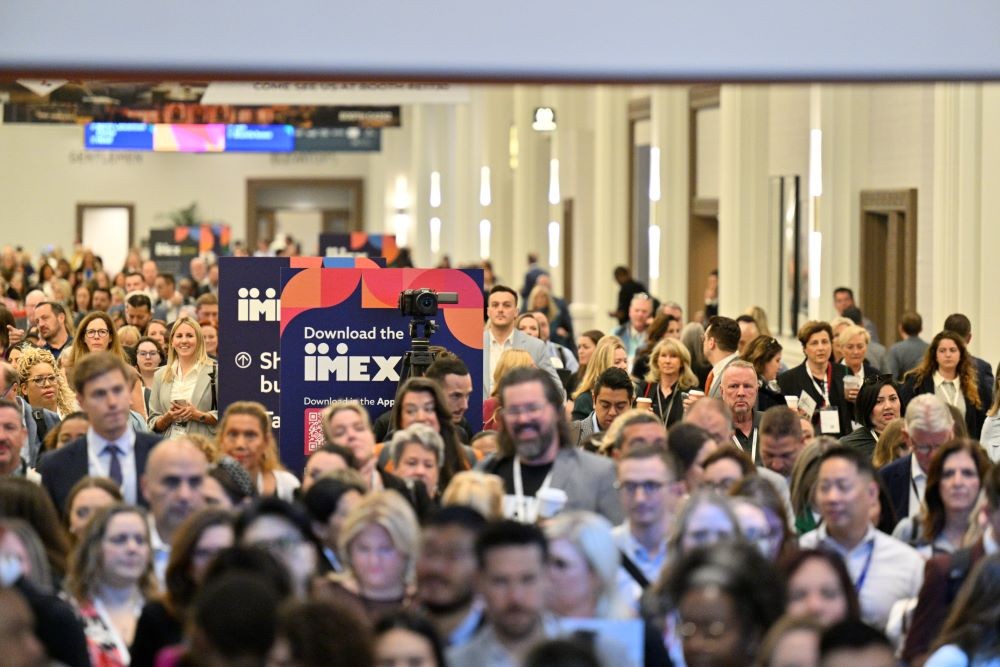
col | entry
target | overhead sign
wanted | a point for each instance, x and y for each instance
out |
(343, 337)
(250, 321)
(367, 116)
(173, 248)
(332, 93)
(190, 138)
(338, 139)
(358, 244)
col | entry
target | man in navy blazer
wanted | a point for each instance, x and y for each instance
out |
(500, 335)
(928, 426)
(111, 448)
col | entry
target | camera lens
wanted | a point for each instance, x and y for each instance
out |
(427, 303)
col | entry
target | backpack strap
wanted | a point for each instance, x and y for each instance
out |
(634, 571)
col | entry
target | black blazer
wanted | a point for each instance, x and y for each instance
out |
(896, 477)
(65, 467)
(414, 492)
(986, 381)
(974, 417)
(767, 399)
(796, 380)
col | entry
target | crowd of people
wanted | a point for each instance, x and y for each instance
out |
(668, 493)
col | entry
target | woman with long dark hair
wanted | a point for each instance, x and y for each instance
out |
(948, 372)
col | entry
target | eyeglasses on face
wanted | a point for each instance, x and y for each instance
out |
(97, 333)
(43, 380)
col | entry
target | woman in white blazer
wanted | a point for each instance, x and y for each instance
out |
(184, 395)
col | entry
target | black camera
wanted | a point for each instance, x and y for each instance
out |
(423, 302)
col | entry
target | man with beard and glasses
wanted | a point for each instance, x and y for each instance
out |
(446, 573)
(536, 457)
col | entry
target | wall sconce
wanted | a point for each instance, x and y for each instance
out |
(485, 192)
(484, 238)
(654, 252)
(554, 195)
(435, 195)
(435, 225)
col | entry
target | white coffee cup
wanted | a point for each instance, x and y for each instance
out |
(696, 393)
(792, 401)
(551, 501)
(644, 403)
(852, 382)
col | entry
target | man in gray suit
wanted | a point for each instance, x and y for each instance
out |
(500, 335)
(535, 454)
(907, 353)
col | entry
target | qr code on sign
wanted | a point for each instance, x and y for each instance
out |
(314, 430)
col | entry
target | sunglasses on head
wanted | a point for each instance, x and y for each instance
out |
(879, 379)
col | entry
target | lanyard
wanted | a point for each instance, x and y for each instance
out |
(753, 444)
(825, 391)
(520, 502)
(659, 402)
(864, 571)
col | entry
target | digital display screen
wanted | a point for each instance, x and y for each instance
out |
(189, 138)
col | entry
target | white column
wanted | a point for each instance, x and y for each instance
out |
(958, 221)
(987, 322)
(605, 235)
(841, 112)
(670, 133)
(746, 236)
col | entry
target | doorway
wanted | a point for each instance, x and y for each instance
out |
(303, 209)
(888, 258)
(109, 227)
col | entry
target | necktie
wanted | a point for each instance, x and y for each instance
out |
(115, 467)
(708, 382)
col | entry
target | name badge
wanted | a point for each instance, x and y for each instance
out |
(807, 404)
(829, 421)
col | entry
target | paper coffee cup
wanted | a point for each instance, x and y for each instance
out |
(550, 502)
(696, 393)
(644, 403)
(852, 382)
(792, 401)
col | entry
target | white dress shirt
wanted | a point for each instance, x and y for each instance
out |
(99, 461)
(496, 349)
(895, 571)
(918, 484)
(955, 398)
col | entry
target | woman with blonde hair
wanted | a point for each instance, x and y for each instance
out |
(129, 335)
(669, 374)
(43, 384)
(891, 444)
(583, 567)
(479, 490)
(184, 398)
(378, 541)
(110, 578)
(610, 352)
(509, 360)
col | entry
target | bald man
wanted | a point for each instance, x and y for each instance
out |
(172, 485)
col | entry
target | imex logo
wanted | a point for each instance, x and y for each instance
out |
(250, 308)
(354, 368)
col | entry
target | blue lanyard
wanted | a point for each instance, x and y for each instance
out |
(864, 571)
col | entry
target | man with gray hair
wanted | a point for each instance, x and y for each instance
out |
(928, 425)
(634, 332)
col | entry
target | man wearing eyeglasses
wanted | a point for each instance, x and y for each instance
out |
(52, 327)
(13, 436)
(536, 458)
(929, 424)
(650, 488)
